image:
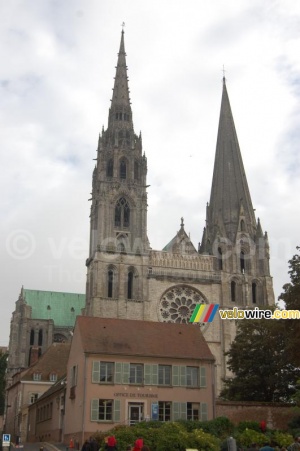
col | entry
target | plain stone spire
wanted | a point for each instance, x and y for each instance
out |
(230, 194)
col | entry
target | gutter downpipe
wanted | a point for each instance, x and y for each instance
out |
(83, 404)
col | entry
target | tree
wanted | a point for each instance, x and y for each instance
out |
(291, 298)
(3, 365)
(261, 367)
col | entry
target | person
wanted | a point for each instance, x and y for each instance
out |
(267, 447)
(138, 444)
(111, 443)
(93, 444)
(296, 445)
(86, 446)
(263, 426)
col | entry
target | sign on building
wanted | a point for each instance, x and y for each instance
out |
(5, 439)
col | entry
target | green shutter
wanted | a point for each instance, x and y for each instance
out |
(183, 376)
(202, 376)
(154, 374)
(95, 410)
(175, 375)
(183, 411)
(203, 408)
(96, 372)
(176, 411)
(147, 374)
(126, 370)
(118, 373)
(117, 410)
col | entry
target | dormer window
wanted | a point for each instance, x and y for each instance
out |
(37, 376)
(53, 377)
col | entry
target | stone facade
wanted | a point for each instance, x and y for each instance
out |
(40, 318)
(127, 279)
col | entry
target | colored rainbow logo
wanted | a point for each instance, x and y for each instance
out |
(204, 313)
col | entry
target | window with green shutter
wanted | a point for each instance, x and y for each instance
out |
(117, 410)
(179, 410)
(192, 376)
(203, 411)
(164, 374)
(118, 373)
(150, 374)
(202, 376)
(125, 373)
(102, 409)
(183, 375)
(175, 375)
(96, 372)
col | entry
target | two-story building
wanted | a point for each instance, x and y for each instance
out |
(28, 385)
(124, 371)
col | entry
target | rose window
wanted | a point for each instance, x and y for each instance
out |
(178, 303)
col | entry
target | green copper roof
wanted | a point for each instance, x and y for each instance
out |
(61, 307)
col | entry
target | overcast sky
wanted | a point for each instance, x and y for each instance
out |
(57, 66)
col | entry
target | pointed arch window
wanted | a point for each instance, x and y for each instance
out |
(242, 225)
(242, 262)
(32, 337)
(254, 292)
(110, 283)
(110, 168)
(123, 169)
(130, 285)
(233, 291)
(220, 259)
(122, 213)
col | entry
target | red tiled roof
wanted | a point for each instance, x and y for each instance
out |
(143, 338)
(54, 360)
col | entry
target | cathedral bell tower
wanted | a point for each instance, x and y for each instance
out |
(232, 233)
(118, 220)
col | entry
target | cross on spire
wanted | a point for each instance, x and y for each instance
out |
(223, 70)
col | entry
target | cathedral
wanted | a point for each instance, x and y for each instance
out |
(127, 279)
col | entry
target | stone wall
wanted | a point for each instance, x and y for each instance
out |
(276, 415)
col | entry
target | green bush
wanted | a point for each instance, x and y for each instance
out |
(249, 436)
(169, 436)
(253, 425)
(220, 427)
(201, 440)
(282, 439)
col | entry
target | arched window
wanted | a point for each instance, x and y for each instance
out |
(32, 337)
(130, 285)
(122, 213)
(123, 169)
(220, 259)
(254, 293)
(242, 262)
(110, 168)
(233, 291)
(110, 283)
(242, 225)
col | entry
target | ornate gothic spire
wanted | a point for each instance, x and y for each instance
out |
(120, 109)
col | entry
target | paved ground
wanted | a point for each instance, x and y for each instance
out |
(38, 446)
